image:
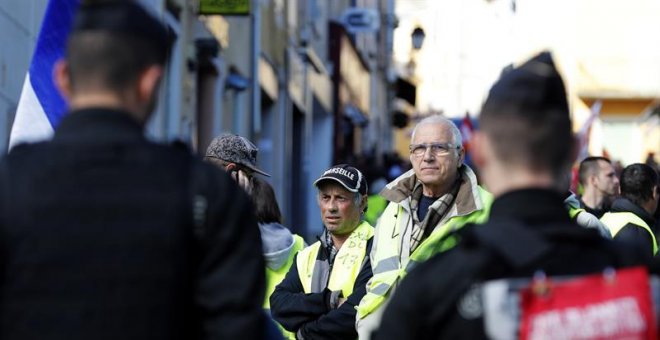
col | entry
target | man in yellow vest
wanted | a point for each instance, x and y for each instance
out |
(438, 195)
(630, 219)
(318, 296)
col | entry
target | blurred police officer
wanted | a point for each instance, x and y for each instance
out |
(631, 219)
(106, 235)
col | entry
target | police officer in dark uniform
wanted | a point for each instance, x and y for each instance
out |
(630, 219)
(523, 149)
(106, 235)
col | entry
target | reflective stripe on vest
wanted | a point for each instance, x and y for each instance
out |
(617, 220)
(346, 267)
(573, 212)
(387, 260)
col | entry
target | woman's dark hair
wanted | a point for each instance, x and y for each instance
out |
(266, 208)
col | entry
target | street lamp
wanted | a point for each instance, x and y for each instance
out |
(418, 36)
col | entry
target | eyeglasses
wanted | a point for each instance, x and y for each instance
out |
(437, 149)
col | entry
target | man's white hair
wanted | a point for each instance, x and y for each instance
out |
(438, 119)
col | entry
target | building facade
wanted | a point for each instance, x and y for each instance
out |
(323, 90)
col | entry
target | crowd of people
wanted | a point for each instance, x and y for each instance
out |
(107, 235)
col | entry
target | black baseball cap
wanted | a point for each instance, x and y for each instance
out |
(349, 177)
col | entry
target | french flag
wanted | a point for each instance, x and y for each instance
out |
(585, 131)
(41, 107)
(466, 131)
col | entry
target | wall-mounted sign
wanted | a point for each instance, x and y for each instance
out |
(360, 20)
(224, 7)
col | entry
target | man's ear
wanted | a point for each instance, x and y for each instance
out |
(62, 78)
(363, 203)
(231, 167)
(149, 81)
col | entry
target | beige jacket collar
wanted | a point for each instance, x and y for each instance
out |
(467, 200)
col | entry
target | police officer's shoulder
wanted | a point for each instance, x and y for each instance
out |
(180, 145)
(454, 262)
(22, 148)
(464, 237)
(31, 155)
(444, 278)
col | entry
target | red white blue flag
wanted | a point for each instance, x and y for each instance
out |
(41, 106)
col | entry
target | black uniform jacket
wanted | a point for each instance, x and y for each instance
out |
(632, 234)
(425, 304)
(311, 314)
(98, 240)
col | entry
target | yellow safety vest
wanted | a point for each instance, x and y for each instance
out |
(377, 205)
(386, 264)
(347, 262)
(274, 277)
(573, 212)
(615, 221)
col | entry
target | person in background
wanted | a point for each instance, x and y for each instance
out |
(107, 235)
(600, 185)
(584, 218)
(631, 220)
(376, 202)
(317, 298)
(578, 213)
(279, 245)
(438, 195)
(236, 155)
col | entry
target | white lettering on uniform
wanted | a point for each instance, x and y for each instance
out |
(610, 319)
(341, 172)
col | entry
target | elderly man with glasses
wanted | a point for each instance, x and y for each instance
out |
(438, 195)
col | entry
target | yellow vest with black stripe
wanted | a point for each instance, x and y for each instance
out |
(386, 263)
(615, 221)
(347, 265)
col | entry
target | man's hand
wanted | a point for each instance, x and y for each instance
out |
(245, 181)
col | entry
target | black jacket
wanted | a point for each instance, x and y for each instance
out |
(425, 304)
(98, 240)
(311, 314)
(632, 234)
(597, 211)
